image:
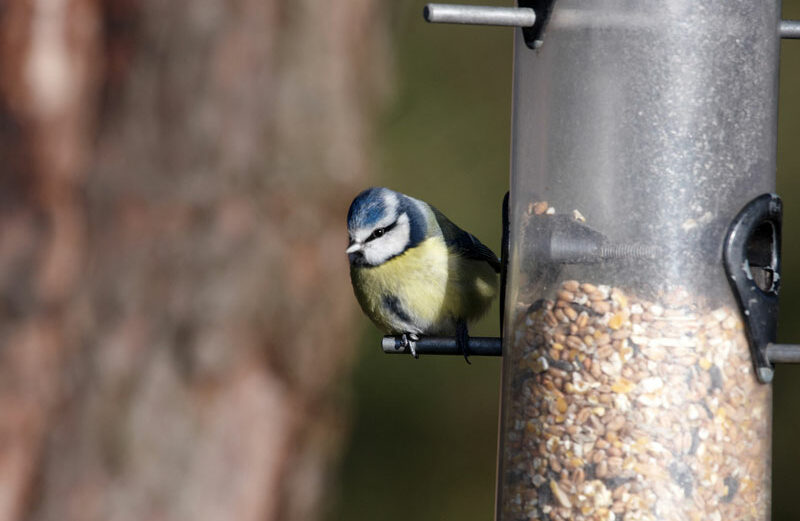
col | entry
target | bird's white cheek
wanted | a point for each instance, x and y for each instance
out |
(393, 243)
(380, 251)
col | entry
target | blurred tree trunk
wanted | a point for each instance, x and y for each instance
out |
(175, 310)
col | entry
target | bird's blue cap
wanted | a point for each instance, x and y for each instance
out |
(367, 208)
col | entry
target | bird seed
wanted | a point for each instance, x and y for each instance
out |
(622, 409)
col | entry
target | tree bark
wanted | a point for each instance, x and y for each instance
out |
(175, 310)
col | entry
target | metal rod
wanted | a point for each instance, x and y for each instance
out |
(433, 345)
(479, 15)
(790, 29)
(526, 17)
(783, 353)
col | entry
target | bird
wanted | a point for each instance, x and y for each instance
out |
(414, 272)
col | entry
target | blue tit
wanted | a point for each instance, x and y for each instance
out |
(413, 271)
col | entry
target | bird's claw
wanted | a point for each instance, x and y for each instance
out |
(407, 341)
(462, 340)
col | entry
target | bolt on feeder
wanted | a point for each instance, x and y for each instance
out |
(642, 260)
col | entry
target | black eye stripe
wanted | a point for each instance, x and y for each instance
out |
(381, 231)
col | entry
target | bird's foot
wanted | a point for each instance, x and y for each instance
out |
(407, 341)
(462, 339)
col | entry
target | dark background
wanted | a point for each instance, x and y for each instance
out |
(423, 440)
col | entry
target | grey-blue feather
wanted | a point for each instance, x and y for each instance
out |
(464, 243)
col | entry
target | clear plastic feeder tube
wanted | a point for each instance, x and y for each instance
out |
(640, 130)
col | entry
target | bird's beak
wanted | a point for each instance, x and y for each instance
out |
(353, 248)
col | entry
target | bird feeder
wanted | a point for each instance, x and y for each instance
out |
(642, 261)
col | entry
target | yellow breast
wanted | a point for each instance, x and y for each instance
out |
(428, 288)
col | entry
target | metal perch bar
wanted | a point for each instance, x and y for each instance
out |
(479, 15)
(432, 345)
(783, 353)
(526, 17)
(790, 29)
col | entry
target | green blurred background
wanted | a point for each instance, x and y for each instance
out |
(424, 435)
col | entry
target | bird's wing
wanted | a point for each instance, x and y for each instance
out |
(465, 244)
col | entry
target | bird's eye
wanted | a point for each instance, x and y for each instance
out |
(377, 233)
(381, 231)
